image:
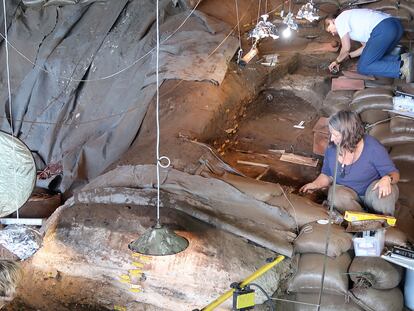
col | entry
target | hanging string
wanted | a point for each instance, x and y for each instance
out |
(258, 12)
(240, 52)
(157, 115)
(108, 76)
(328, 230)
(10, 105)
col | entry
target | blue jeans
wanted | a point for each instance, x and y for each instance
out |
(375, 58)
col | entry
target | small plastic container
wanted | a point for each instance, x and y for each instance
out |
(369, 243)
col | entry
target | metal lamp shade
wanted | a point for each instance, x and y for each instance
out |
(159, 241)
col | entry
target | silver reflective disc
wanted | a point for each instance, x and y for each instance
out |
(17, 174)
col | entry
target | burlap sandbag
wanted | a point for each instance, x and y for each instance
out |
(395, 237)
(372, 92)
(406, 194)
(312, 239)
(373, 116)
(406, 169)
(400, 13)
(405, 216)
(400, 124)
(328, 303)
(372, 103)
(336, 101)
(383, 133)
(258, 189)
(374, 272)
(403, 152)
(371, 299)
(309, 274)
(381, 82)
(302, 209)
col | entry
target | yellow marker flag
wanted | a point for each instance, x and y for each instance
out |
(138, 264)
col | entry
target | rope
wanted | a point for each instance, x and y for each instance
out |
(10, 103)
(231, 31)
(328, 231)
(258, 12)
(239, 54)
(108, 76)
(294, 210)
(269, 300)
(157, 113)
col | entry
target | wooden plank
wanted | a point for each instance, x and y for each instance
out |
(345, 84)
(266, 170)
(297, 159)
(280, 151)
(252, 163)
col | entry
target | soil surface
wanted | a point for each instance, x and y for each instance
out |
(269, 127)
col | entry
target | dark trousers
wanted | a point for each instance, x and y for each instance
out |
(375, 58)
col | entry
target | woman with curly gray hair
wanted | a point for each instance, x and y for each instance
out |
(366, 174)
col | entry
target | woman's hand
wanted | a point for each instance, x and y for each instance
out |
(334, 66)
(310, 187)
(383, 186)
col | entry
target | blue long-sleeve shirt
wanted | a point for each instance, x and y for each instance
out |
(373, 163)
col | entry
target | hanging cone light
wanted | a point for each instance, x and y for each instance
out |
(158, 240)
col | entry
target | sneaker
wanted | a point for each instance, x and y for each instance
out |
(407, 68)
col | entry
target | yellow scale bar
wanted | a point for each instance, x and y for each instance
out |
(142, 257)
(358, 216)
(138, 264)
(135, 272)
(120, 308)
(124, 277)
(135, 290)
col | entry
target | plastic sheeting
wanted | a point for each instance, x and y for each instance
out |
(87, 125)
(17, 174)
(20, 240)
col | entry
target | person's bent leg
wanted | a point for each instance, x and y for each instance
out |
(397, 37)
(384, 205)
(383, 38)
(345, 199)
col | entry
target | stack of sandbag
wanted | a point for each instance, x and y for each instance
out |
(398, 136)
(336, 101)
(305, 285)
(402, 9)
(375, 284)
(370, 103)
(395, 237)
